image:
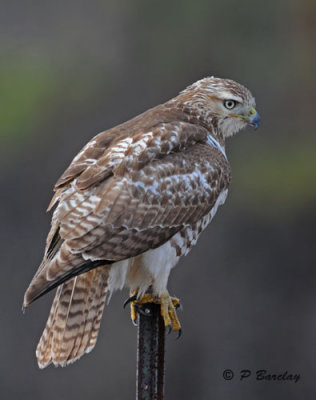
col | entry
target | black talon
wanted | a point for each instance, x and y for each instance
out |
(179, 334)
(169, 329)
(129, 300)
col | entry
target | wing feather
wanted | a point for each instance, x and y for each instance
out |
(139, 192)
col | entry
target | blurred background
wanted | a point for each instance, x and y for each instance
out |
(70, 69)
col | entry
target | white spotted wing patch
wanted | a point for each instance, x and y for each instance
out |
(141, 191)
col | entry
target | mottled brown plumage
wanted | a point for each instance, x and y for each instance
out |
(130, 204)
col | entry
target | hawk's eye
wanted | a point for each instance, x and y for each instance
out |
(230, 104)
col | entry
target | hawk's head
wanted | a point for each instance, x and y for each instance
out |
(224, 103)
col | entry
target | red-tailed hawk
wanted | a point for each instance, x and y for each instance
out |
(131, 203)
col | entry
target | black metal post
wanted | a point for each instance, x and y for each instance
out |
(150, 354)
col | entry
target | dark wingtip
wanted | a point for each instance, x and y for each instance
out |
(28, 298)
(40, 285)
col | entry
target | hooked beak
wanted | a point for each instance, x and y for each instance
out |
(253, 119)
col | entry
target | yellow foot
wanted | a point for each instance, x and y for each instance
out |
(168, 306)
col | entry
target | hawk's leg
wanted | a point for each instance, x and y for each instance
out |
(168, 306)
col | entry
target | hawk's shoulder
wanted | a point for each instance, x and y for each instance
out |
(153, 134)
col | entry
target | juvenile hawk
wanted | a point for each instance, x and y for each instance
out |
(131, 203)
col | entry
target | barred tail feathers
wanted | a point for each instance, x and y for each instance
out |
(74, 321)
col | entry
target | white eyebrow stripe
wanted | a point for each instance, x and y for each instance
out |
(229, 96)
